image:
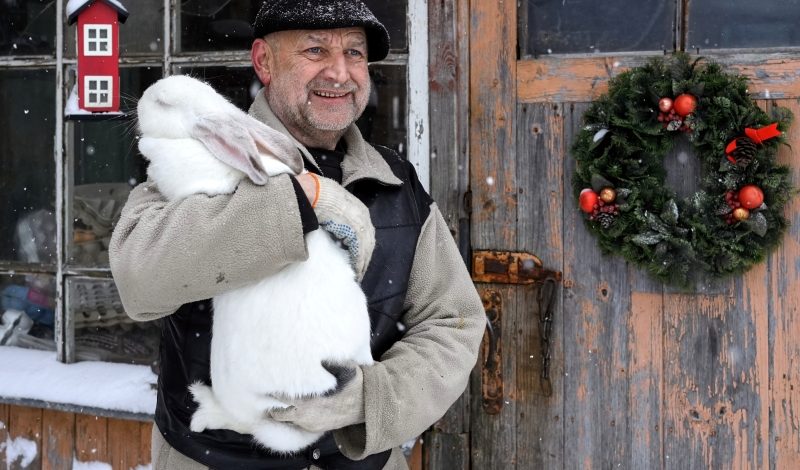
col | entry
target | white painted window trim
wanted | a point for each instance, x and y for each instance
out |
(86, 91)
(97, 40)
(419, 141)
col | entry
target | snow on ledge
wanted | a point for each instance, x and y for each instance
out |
(37, 375)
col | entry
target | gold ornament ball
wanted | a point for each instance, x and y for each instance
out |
(608, 195)
(741, 214)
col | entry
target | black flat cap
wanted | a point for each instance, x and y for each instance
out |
(284, 15)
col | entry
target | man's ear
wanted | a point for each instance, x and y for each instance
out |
(259, 55)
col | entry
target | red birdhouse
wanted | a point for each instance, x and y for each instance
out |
(98, 53)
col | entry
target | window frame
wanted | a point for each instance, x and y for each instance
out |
(87, 41)
(169, 59)
(99, 80)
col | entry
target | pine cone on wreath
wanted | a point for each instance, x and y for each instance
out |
(605, 219)
(744, 153)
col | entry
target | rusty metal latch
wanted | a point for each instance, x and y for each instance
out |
(503, 267)
(492, 370)
(506, 267)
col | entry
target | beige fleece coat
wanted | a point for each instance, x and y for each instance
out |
(165, 254)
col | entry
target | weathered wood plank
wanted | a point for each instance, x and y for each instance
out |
(597, 304)
(493, 437)
(540, 153)
(492, 134)
(784, 324)
(58, 440)
(449, 122)
(145, 443)
(713, 378)
(26, 423)
(645, 375)
(123, 439)
(492, 97)
(4, 423)
(91, 438)
(445, 451)
(448, 110)
(577, 79)
(645, 371)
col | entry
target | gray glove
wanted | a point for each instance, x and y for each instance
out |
(338, 409)
(346, 218)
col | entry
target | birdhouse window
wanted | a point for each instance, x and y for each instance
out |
(98, 91)
(97, 40)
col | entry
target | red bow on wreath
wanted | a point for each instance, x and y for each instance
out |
(746, 144)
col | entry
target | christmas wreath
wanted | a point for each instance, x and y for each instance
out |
(732, 221)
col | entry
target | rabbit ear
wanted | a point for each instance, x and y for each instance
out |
(241, 141)
(230, 144)
(273, 144)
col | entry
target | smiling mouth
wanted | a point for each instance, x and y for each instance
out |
(326, 94)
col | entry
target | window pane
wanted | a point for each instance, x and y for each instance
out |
(27, 166)
(103, 331)
(27, 311)
(103, 33)
(212, 25)
(384, 120)
(581, 26)
(142, 33)
(106, 164)
(225, 24)
(239, 84)
(92, 32)
(393, 15)
(27, 27)
(720, 24)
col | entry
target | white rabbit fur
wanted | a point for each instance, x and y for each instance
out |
(272, 337)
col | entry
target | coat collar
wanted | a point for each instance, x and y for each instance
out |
(361, 161)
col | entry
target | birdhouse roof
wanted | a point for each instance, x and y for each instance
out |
(75, 7)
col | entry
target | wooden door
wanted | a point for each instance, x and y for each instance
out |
(643, 376)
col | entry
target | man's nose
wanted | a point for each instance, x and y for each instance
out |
(337, 69)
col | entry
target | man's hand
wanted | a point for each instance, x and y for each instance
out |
(347, 218)
(335, 410)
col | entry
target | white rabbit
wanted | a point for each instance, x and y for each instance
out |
(276, 336)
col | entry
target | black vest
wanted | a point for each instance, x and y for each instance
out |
(397, 213)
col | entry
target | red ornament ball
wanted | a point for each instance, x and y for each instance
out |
(751, 196)
(588, 200)
(665, 105)
(685, 104)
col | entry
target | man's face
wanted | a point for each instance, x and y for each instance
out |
(317, 81)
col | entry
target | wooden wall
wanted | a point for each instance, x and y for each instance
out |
(61, 437)
(643, 376)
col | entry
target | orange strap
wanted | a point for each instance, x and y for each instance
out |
(316, 193)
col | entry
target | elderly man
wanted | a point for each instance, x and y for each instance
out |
(427, 319)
